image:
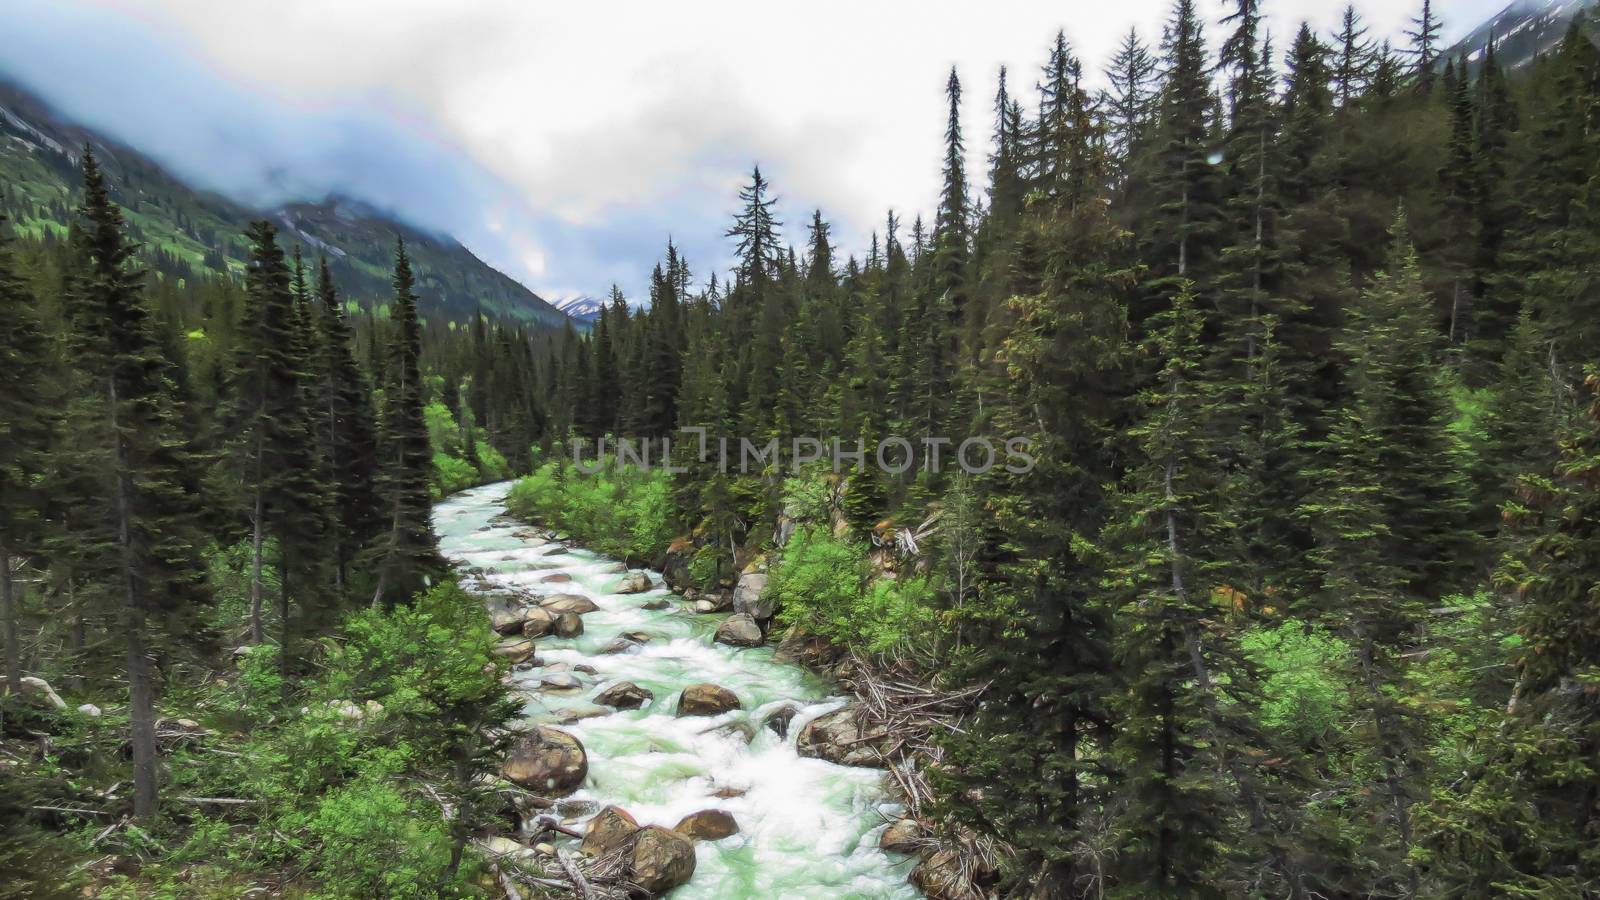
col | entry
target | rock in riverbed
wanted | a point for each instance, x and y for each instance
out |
(547, 761)
(658, 603)
(632, 583)
(564, 603)
(662, 860)
(706, 700)
(517, 651)
(707, 825)
(537, 622)
(838, 737)
(740, 630)
(608, 830)
(624, 695)
(903, 836)
(568, 625)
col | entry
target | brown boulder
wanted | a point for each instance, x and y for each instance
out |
(902, 836)
(568, 625)
(556, 578)
(624, 695)
(838, 737)
(662, 860)
(658, 603)
(505, 619)
(557, 604)
(537, 622)
(739, 630)
(707, 825)
(632, 583)
(706, 700)
(547, 761)
(516, 651)
(608, 830)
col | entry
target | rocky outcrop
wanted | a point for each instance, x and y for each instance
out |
(609, 830)
(547, 761)
(706, 700)
(624, 695)
(839, 737)
(747, 597)
(740, 630)
(567, 625)
(556, 604)
(632, 583)
(707, 825)
(662, 859)
(902, 836)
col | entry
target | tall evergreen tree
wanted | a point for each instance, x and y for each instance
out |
(407, 553)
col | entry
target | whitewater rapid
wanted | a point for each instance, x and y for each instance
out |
(808, 828)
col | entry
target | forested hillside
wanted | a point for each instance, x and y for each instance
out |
(1297, 593)
(188, 234)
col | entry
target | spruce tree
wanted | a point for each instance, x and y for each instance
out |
(406, 556)
(142, 552)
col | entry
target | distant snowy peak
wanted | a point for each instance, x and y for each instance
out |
(581, 308)
(1521, 31)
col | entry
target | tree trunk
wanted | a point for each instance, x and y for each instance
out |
(258, 633)
(8, 611)
(141, 695)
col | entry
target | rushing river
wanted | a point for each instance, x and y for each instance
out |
(808, 828)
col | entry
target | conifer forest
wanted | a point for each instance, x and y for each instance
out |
(1203, 502)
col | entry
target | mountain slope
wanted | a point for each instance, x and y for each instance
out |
(188, 232)
(1521, 31)
(583, 310)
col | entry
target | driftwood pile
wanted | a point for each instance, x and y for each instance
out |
(901, 718)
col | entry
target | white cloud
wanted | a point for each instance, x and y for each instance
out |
(607, 117)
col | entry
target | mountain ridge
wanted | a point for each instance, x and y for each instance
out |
(189, 231)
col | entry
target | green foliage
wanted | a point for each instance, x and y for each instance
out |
(1303, 697)
(824, 585)
(625, 514)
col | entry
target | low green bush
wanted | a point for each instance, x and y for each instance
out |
(623, 514)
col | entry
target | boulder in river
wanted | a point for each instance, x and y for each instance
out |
(902, 836)
(747, 596)
(802, 648)
(537, 622)
(516, 651)
(624, 695)
(658, 603)
(560, 681)
(614, 568)
(632, 583)
(706, 700)
(547, 761)
(839, 737)
(740, 630)
(564, 603)
(779, 721)
(609, 830)
(568, 625)
(556, 578)
(707, 825)
(662, 860)
(505, 618)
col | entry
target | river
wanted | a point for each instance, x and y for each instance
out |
(808, 828)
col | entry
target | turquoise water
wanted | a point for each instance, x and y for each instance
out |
(808, 828)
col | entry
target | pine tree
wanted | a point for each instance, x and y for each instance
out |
(1425, 46)
(142, 551)
(407, 555)
(1130, 100)
(346, 431)
(1353, 70)
(951, 235)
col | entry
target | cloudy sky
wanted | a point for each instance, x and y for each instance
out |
(564, 142)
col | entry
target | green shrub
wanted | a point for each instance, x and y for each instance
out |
(823, 584)
(622, 514)
(451, 475)
(1304, 696)
(369, 840)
